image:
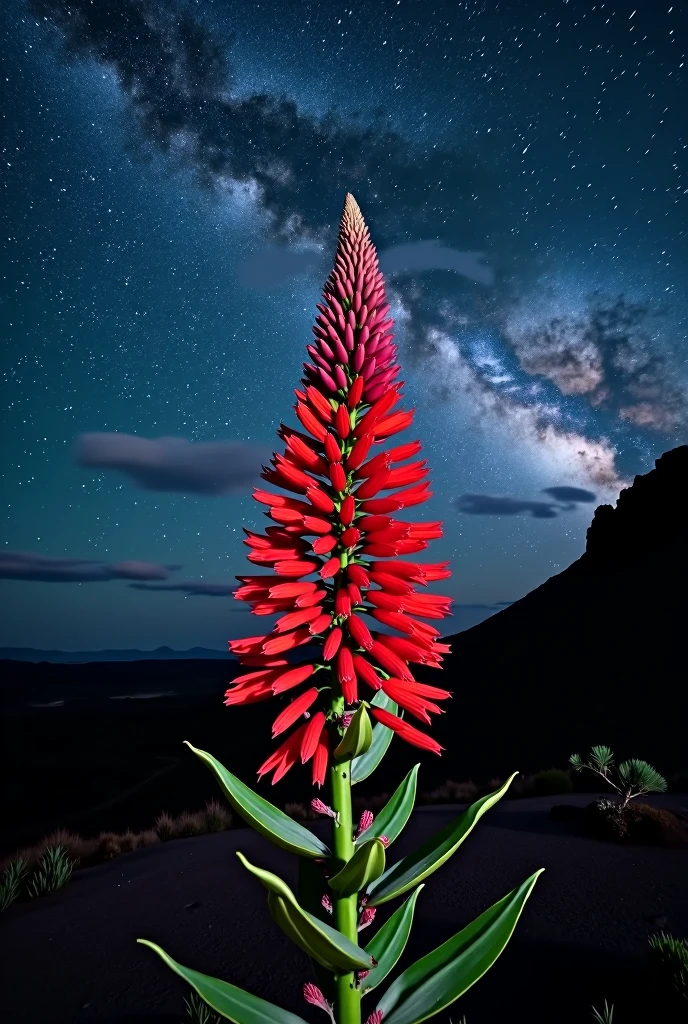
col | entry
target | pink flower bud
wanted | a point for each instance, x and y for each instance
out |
(384, 840)
(364, 822)
(375, 1017)
(313, 995)
(327, 903)
(320, 808)
(366, 918)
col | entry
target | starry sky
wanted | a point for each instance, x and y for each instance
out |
(173, 178)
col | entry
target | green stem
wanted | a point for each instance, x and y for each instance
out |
(347, 1007)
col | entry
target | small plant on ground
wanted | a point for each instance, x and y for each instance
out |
(670, 959)
(108, 845)
(10, 883)
(551, 781)
(605, 1016)
(53, 872)
(633, 778)
(199, 1012)
(164, 826)
(189, 824)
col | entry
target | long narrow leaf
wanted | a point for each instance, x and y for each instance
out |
(263, 816)
(438, 979)
(365, 765)
(432, 854)
(233, 1003)
(325, 944)
(389, 943)
(396, 812)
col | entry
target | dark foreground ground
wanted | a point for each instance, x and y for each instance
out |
(73, 957)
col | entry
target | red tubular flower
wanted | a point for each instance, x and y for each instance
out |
(359, 631)
(349, 400)
(342, 603)
(407, 732)
(347, 675)
(332, 644)
(294, 711)
(337, 476)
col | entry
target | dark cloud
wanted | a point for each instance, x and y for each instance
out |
(606, 355)
(174, 464)
(22, 565)
(274, 265)
(503, 505)
(569, 494)
(193, 588)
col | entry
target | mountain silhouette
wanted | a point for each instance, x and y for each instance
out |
(596, 654)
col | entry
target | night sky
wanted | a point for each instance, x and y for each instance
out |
(173, 178)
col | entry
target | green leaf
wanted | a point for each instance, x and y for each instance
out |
(441, 977)
(233, 1003)
(366, 764)
(642, 776)
(358, 736)
(323, 943)
(432, 854)
(602, 757)
(263, 816)
(396, 812)
(389, 943)
(367, 864)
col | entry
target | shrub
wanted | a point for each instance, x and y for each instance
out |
(53, 872)
(551, 781)
(74, 845)
(217, 817)
(298, 811)
(190, 824)
(109, 845)
(129, 841)
(631, 775)
(11, 880)
(148, 837)
(165, 827)
(669, 957)
(451, 792)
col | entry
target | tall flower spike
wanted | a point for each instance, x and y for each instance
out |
(333, 564)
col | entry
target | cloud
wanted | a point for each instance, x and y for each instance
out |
(569, 494)
(174, 464)
(192, 588)
(23, 565)
(431, 255)
(274, 265)
(503, 505)
(606, 354)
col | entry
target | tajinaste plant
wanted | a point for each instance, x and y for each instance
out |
(338, 529)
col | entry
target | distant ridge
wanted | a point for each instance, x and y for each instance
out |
(82, 657)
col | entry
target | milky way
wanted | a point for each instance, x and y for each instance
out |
(174, 178)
